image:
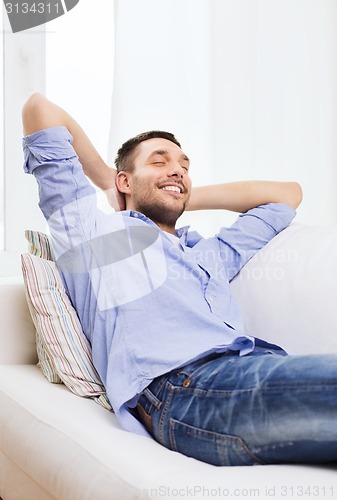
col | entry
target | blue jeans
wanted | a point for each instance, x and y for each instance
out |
(261, 408)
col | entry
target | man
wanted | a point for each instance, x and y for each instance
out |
(167, 337)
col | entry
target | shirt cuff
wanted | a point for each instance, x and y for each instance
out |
(53, 143)
(277, 215)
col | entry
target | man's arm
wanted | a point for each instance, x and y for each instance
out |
(39, 113)
(242, 196)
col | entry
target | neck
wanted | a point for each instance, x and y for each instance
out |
(167, 229)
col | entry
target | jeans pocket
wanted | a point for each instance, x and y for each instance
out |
(209, 446)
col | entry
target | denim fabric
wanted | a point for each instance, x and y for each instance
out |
(261, 408)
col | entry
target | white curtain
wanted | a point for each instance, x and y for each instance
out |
(248, 86)
(162, 72)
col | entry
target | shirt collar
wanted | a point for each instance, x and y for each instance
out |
(186, 237)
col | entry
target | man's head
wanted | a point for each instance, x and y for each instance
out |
(126, 153)
(153, 175)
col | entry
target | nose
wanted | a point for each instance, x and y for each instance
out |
(176, 170)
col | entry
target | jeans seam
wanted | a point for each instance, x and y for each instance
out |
(152, 399)
(164, 410)
(151, 396)
(272, 446)
(263, 388)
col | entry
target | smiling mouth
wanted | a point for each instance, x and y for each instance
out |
(172, 189)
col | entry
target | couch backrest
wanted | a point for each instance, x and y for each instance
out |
(288, 290)
(17, 332)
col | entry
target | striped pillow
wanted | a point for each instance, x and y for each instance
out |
(39, 245)
(59, 329)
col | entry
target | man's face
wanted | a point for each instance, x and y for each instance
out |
(160, 185)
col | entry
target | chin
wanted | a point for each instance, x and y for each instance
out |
(161, 214)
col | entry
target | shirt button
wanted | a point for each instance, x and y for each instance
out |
(135, 214)
(211, 298)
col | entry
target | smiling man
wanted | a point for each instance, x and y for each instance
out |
(167, 337)
(157, 182)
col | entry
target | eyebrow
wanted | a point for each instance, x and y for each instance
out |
(164, 152)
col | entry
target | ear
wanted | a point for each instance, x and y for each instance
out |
(122, 182)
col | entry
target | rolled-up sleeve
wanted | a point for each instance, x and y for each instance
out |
(51, 158)
(66, 197)
(252, 231)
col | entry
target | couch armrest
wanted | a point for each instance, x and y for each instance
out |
(17, 331)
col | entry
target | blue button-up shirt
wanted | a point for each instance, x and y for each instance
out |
(147, 304)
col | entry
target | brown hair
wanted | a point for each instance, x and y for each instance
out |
(124, 158)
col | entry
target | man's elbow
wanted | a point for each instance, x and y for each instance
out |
(294, 194)
(32, 112)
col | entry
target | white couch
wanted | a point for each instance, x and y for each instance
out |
(55, 445)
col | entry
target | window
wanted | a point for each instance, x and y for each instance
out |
(70, 60)
(79, 67)
(22, 72)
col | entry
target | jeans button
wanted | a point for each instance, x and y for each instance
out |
(187, 382)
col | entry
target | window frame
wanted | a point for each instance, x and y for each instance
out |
(23, 66)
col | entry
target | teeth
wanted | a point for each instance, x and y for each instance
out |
(171, 188)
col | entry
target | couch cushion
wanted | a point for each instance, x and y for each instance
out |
(76, 450)
(47, 442)
(59, 329)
